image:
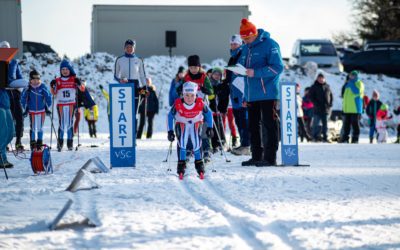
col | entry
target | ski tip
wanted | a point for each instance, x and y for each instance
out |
(181, 176)
(201, 176)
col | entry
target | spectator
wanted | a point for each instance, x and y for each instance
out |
(300, 114)
(7, 128)
(307, 107)
(15, 80)
(148, 108)
(175, 83)
(322, 98)
(129, 68)
(371, 111)
(236, 98)
(263, 62)
(218, 106)
(397, 112)
(381, 117)
(352, 107)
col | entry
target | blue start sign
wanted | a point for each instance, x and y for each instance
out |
(122, 125)
(289, 145)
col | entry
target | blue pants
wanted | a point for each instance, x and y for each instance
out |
(372, 128)
(189, 133)
(317, 118)
(6, 132)
(242, 122)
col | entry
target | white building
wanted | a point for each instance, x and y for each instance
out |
(202, 30)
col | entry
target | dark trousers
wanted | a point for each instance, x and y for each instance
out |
(218, 124)
(16, 111)
(317, 118)
(302, 129)
(242, 122)
(150, 119)
(92, 128)
(264, 127)
(351, 121)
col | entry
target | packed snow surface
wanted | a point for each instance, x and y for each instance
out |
(348, 198)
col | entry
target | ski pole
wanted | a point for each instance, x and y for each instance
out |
(169, 158)
(220, 142)
(168, 153)
(4, 167)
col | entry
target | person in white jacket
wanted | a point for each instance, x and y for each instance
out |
(129, 68)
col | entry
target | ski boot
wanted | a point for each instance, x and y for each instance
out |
(199, 165)
(181, 169)
(234, 141)
(60, 144)
(70, 145)
(19, 147)
(39, 144)
(32, 144)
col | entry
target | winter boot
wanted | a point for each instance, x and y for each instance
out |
(354, 140)
(241, 151)
(199, 165)
(39, 143)
(250, 162)
(371, 140)
(398, 140)
(70, 144)
(60, 144)
(18, 144)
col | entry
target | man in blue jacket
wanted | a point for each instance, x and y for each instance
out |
(263, 62)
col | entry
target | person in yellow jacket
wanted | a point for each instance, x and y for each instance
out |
(91, 116)
(352, 107)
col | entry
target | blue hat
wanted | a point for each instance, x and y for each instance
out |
(67, 64)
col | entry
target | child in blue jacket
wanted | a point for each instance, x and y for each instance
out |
(36, 101)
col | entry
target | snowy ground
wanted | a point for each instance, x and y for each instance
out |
(348, 198)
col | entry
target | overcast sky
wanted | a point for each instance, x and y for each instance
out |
(65, 24)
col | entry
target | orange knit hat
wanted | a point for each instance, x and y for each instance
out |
(247, 29)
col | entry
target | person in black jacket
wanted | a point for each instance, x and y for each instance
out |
(219, 106)
(148, 108)
(372, 109)
(321, 96)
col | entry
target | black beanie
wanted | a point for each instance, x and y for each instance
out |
(194, 60)
(34, 73)
(130, 42)
(181, 69)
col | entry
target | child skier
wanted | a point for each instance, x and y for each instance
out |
(91, 117)
(381, 118)
(65, 88)
(188, 114)
(36, 101)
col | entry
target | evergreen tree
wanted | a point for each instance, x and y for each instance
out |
(377, 19)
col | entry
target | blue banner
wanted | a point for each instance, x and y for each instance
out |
(289, 145)
(122, 125)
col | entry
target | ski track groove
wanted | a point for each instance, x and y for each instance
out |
(245, 229)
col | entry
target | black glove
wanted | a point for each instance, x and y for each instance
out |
(236, 100)
(48, 112)
(209, 132)
(171, 136)
(25, 114)
(101, 87)
(78, 81)
(53, 84)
